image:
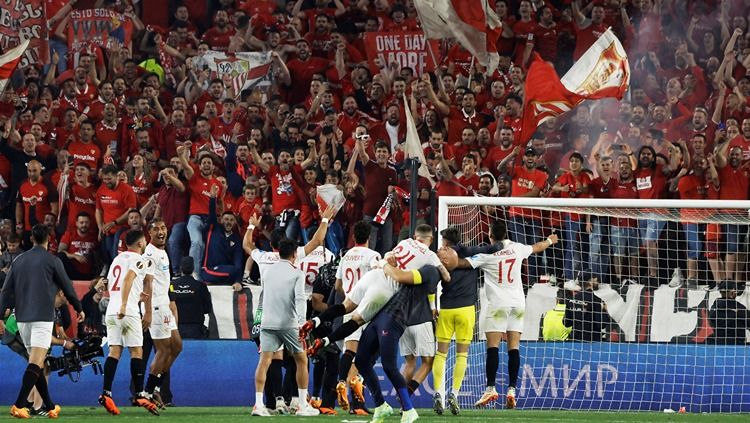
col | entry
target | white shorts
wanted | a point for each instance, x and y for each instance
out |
(418, 340)
(162, 323)
(36, 334)
(357, 333)
(125, 332)
(356, 294)
(504, 319)
(378, 293)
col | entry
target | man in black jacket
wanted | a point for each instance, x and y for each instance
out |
(31, 285)
(729, 317)
(193, 302)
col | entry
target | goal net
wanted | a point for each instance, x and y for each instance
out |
(634, 308)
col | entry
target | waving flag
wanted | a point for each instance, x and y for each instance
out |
(8, 63)
(413, 147)
(473, 23)
(602, 72)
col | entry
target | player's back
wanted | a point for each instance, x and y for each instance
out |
(411, 254)
(118, 270)
(310, 265)
(502, 273)
(160, 287)
(354, 265)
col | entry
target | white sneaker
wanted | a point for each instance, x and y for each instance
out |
(307, 411)
(381, 412)
(261, 410)
(572, 285)
(409, 416)
(489, 395)
(510, 398)
(294, 405)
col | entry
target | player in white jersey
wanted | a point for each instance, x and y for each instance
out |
(163, 329)
(310, 266)
(506, 304)
(375, 290)
(126, 281)
(352, 267)
(264, 260)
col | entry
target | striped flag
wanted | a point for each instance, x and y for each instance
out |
(602, 72)
(473, 23)
(8, 63)
(259, 76)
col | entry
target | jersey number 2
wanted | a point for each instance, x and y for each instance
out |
(506, 264)
(116, 272)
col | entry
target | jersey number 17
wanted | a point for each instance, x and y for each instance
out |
(506, 264)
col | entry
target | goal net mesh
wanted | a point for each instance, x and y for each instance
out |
(623, 313)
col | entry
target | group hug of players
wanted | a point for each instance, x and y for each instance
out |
(386, 304)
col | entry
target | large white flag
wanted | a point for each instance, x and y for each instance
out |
(8, 63)
(473, 23)
(413, 147)
(603, 71)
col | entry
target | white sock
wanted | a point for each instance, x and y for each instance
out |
(246, 273)
(259, 399)
(302, 395)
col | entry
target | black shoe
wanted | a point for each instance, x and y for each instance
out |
(38, 412)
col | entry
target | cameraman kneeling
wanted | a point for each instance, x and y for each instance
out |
(30, 287)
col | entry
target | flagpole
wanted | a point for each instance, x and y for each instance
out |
(471, 67)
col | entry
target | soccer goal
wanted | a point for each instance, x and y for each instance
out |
(631, 310)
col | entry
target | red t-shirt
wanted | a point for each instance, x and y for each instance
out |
(114, 203)
(525, 181)
(218, 40)
(733, 183)
(284, 190)
(200, 191)
(470, 183)
(450, 188)
(586, 37)
(83, 245)
(81, 199)
(377, 180)
(571, 180)
(650, 183)
(623, 190)
(45, 195)
(301, 73)
(741, 142)
(545, 42)
(89, 154)
(494, 156)
(108, 136)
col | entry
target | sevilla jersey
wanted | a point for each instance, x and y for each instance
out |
(411, 254)
(355, 263)
(160, 287)
(502, 274)
(123, 264)
(310, 266)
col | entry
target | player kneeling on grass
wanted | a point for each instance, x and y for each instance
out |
(281, 328)
(506, 305)
(375, 289)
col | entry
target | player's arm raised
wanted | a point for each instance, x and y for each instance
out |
(320, 235)
(247, 242)
(543, 245)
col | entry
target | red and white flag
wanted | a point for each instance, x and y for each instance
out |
(255, 77)
(602, 72)
(473, 23)
(8, 63)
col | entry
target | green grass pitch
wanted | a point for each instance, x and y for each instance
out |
(242, 414)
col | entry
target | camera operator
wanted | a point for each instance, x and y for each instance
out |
(31, 285)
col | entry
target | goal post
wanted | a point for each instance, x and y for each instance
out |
(668, 332)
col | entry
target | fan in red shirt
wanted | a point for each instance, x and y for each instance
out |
(545, 35)
(623, 232)
(83, 150)
(114, 199)
(37, 192)
(320, 37)
(734, 182)
(526, 224)
(108, 131)
(460, 118)
(81, 196)
(693, 185)
(469, 178)
(573, 184)
(301, 71)
(498, 153)
(77, 248)
(141, 120)
(651, 183)
(587, 30)
(219, 35)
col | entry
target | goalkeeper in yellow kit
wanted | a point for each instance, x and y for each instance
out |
(457, 317)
